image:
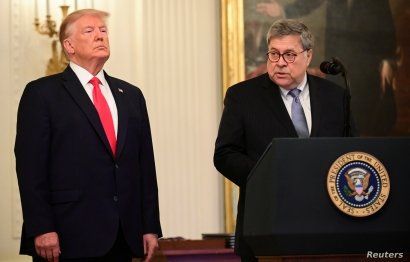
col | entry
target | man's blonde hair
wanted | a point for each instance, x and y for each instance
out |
(73, 17)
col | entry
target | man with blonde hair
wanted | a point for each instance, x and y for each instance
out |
(84, 157)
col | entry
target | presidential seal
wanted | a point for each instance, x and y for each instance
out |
(358, 184)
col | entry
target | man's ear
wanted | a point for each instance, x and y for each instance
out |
(309, 55)
(68, 46)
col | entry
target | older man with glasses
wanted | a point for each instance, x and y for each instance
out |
(284, 102)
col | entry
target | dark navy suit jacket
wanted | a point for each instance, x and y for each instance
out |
(254, 114)
(69, 180)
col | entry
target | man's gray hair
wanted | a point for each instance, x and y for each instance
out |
(285, 27)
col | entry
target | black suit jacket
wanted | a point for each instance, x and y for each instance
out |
(69, 180)
(254, 114)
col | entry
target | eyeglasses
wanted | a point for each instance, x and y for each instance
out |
(289, 57)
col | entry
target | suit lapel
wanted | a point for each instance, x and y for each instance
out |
(315, 103)
(76, 90)
(119, 98)
(274, 101)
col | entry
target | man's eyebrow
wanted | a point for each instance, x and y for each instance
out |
(286, 51)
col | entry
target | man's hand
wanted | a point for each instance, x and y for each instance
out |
(150, 245)
(387, 75)
(47, 246)
(271, 9)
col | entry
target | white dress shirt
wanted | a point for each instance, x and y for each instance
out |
(84, 76)
(304, 98)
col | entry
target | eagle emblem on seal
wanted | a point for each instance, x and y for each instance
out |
(357, 184)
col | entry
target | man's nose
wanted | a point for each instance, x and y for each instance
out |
(281, 61)
(98, 35)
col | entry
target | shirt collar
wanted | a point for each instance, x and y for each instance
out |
(84, 76)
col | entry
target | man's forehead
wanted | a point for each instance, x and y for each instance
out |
(90, 21)
(287, 42)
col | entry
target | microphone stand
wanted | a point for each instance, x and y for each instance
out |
(347, 109)
(348, 98)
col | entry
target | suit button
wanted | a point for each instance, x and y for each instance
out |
(116, 166)
(115, 198)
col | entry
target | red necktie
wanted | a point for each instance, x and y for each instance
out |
(104, 112)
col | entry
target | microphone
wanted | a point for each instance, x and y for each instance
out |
(332, 68)
(335, 67)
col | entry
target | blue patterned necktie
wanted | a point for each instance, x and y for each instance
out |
(298, 116)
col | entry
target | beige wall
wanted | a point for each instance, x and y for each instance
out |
(171, 50)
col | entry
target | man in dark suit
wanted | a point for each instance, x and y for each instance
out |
(84, 157)
(284, 102)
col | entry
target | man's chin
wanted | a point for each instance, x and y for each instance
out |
(103, 53)
(103, 57)
(284, 83)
